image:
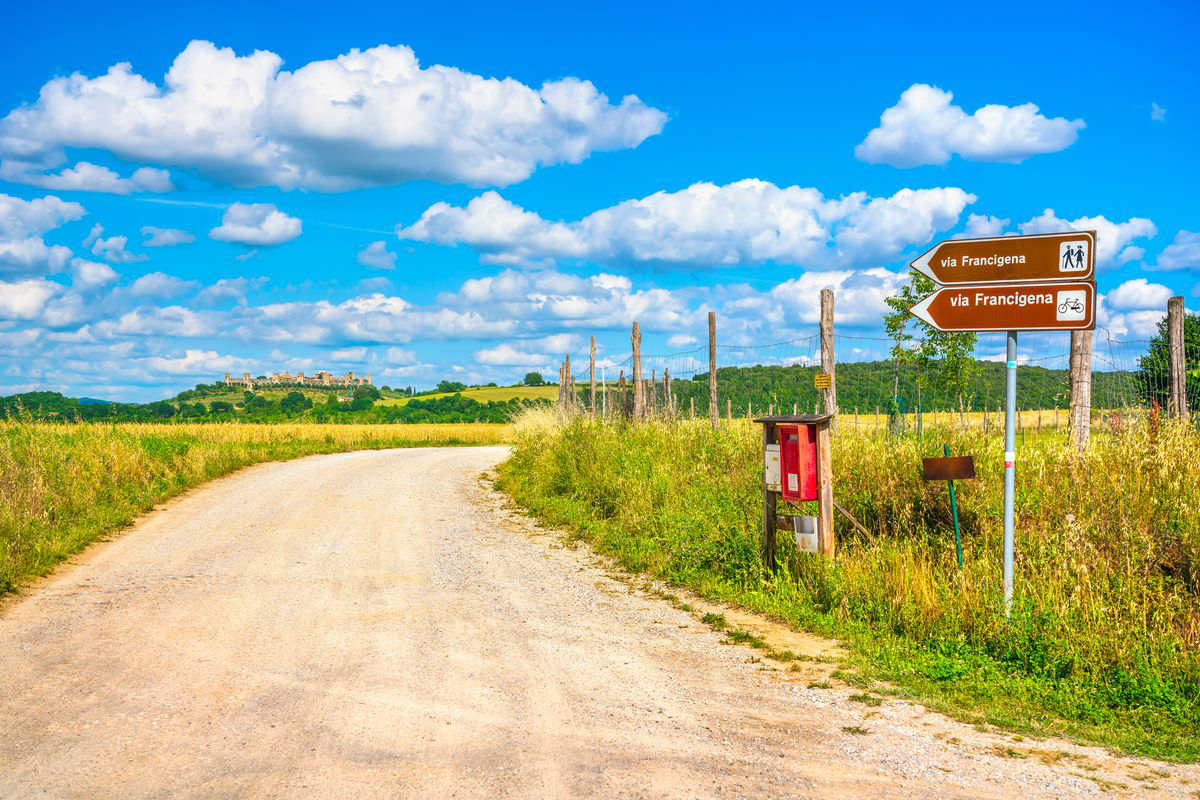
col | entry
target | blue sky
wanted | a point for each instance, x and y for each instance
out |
(474, 192)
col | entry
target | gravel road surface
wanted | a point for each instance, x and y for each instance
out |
(380, 624)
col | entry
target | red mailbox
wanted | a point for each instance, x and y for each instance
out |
(798, 461)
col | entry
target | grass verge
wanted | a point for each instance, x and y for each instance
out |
(1103, 645)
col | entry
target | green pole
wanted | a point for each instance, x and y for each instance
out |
(954, 511)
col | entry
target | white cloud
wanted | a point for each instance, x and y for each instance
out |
(25, 300)
(981, 226)
(400, 356)
(87, 177)
(1111, 237)
(924, 127)
(31, 256)
(377, 255)
(165, 237)
(682, 340)
(160, 284)
(91, 274)
(505, 355)
(259, 224)
(196, 362)
(365, 118)
(166, 321)
(1138, 293)
(349, 355)
(227, 289)
(704, 225)
(21, 218)
(112, 248)
(1182, 253)
(1158, 113)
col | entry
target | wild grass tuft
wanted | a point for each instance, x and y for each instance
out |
(1104, 640)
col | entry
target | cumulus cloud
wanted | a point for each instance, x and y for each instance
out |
(196, 362)
(365, 118)
(21, 218)
(165, 237)
(87, 177)
(1182, 253)
(160, 284)
(925, 127)
(744, 222)
(1158, 113)
(981, 226)
(112, 248)
(348, 355)
(229, 289)
(91, 274)
(1112, 238)
(377, 255)
(31, 256)
(25, 300)
(505, 355)
(1138, 293)
(258, 224)
(682, 340)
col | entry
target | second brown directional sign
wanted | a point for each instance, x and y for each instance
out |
(1012, 259)
(1057, 306)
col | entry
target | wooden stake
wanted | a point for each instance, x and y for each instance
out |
(714, 412)
(592, 378)
(828, 363)
(826, 538)
(1079, 421)
(768, 540)
(639, 404)
(1177, 404)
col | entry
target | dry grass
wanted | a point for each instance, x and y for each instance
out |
(1104, 640)
(62, 486)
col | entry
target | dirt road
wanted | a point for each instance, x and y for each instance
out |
(376, 625)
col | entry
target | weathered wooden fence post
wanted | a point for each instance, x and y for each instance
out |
(828, 363)
(639, 407)
(592, 378)
(569, 383)
(1080, 422)
(713, 410)
(1177, 404)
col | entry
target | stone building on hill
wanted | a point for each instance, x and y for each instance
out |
(320, 378)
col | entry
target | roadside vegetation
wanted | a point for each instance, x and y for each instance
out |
(64, 486)
(1103, 644)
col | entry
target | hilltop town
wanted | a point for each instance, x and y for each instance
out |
(319, 378)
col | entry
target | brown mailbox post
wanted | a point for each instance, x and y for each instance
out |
(797, 467)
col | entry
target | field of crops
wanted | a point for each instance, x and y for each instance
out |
(1104, 640)
(62, 486)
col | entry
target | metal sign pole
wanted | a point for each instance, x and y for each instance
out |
(1010, 457)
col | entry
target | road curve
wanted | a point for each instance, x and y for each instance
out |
(372, 625)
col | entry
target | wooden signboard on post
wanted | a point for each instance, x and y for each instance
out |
(1023, 307)
(1011, 259)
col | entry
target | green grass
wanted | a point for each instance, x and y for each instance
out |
(482, 394)
(64, 486)
(1103, 645)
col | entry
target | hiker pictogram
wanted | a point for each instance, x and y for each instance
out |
(1073, 256)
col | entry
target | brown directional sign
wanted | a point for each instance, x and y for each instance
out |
(1012, 259)
(1020, 307)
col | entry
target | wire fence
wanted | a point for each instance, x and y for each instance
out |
(1129, 377)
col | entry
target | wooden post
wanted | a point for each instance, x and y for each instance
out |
(639, 409)
(1080, 421)
(570, 396)
(651, 394)
(667, 388)
(729, 409)
(713, 411)
(1177, 400)
(828, 363)
(768, 540)
(826, 538)
(603, 395)
(592, 378)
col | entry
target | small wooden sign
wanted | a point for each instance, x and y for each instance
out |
(1033, 258)
(823, 380)
(950, 468)
(1022, 307)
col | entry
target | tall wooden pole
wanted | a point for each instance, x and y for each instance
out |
(639, 405)
(826, 538)
(570, 383)
(670, 398)
(1079, 425)
(592, 378)
(828, 364)
(713, 411)
(1177, 404)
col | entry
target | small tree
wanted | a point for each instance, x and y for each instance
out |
(450, 386)
(1154, 369)
(295, 403)
(953, 352)
(534, 379)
